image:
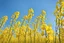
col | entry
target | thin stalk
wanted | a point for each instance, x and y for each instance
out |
(30, 38)
(25, 36)
(10, 30)
(34, 36)
(60, 24)
(46, 36)
(56, 30)
(9, 37)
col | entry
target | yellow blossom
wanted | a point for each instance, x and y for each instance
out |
(51, 38)
(44, 26)
(31, 10)
(25, 17)
(5, 18)
(23, 28)
(62, 3)
(43, 12)
(18, 22)
(15, 15)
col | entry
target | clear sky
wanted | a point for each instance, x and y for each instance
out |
(8, 7)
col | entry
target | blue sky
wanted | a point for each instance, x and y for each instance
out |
(8, 7)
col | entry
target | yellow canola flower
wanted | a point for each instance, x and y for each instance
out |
(62, 21)
(57, 16)
(29, 36)
(49, 27)
(50, 32)
(5, 18)
(30, 13)
(22, 32)
(29, 16)
(6, 30)
(16, 15)
(26, 17)
(13, 39)
(31, 10)
(43, 12)
(50, 38)
(44, 26)
(22, 39)
(62, 12)
(57, 7)
(23, 28)
(40, 16)
(18, 23)
(62, 3)
(17, 32)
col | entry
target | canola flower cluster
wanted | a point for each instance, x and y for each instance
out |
(21, 31)
(26, 31)
(59, 14)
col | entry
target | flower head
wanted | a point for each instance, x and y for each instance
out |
(5, 18)
(62, 3)
(43, 12)
(31, 10)
(30, 13)
(16, 15)
(26, 17)
(18, 23)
